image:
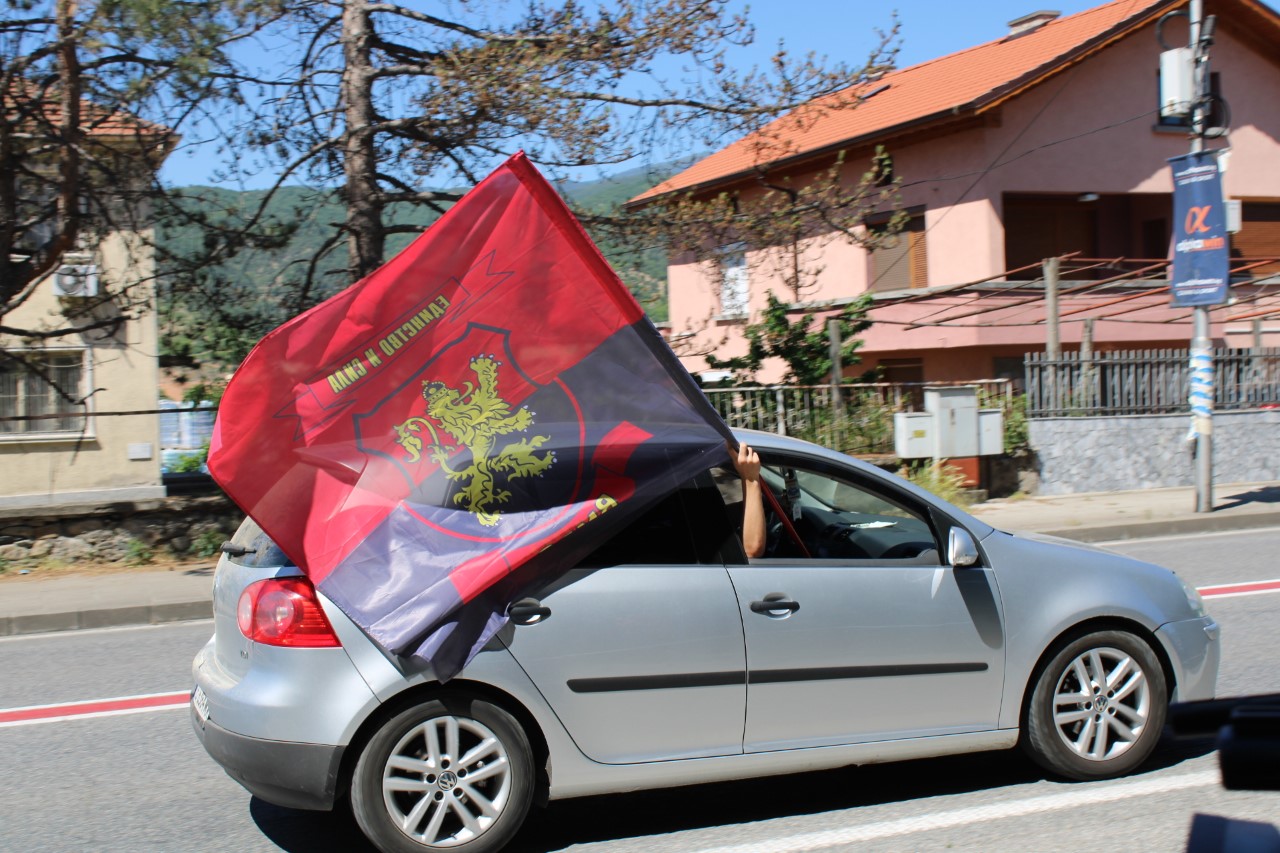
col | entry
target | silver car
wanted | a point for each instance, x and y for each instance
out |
(881, 624)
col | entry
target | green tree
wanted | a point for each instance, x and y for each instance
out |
(94, 95)
(804, 343)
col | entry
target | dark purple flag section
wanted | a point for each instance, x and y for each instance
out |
(621, 435)
(1201, 257)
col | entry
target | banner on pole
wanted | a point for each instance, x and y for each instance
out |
(1201, 255)
(487, 407)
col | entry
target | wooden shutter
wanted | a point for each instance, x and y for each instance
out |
(901, 262)
(1259, 235)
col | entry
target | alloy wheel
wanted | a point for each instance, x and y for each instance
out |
(1101, 704)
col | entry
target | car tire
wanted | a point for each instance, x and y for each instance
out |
(453, 773)
(1097, 708)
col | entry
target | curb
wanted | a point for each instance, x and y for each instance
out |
(146, 614)
(1149, 529)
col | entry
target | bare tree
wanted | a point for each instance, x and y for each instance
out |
(397, 106)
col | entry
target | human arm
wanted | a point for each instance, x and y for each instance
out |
(747, 463)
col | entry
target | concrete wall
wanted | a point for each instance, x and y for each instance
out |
(132, 532)
(1150, 451)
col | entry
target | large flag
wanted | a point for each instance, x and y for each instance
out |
(488, 406)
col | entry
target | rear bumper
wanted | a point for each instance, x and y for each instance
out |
(293, 775)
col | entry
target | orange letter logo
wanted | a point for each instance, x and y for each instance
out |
(1195, 222)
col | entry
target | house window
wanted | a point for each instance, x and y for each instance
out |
(901, 260)
(1038, 227)
(734, 281)
(34, 389)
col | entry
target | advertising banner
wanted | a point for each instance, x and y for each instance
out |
(1201, 255)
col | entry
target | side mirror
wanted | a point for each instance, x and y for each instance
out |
(961, 549)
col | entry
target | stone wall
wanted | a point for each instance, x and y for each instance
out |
(125, 532)
(1076, 455)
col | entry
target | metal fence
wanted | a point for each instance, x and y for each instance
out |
(1146, 382)
(860, 422)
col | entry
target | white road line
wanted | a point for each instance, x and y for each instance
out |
(1171, 537)
(89, 632)
(1100, 793)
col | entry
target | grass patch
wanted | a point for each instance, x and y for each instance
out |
(946, 483)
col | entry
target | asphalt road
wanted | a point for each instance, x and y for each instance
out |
(141, 782)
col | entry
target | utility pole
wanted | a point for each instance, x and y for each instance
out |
(835, 345)
(1053, 339)
(1200, 273)
(1202, 391)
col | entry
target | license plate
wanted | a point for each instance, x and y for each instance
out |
(200, 702)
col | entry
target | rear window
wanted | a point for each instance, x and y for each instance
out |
(251, 547)
(687, 527)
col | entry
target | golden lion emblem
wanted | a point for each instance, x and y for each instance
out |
(474, 418)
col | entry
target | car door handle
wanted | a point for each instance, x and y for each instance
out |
(528, 611)
(773, 602)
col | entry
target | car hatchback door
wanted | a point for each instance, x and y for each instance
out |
(869, 636)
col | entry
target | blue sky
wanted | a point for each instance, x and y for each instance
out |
(840, 29)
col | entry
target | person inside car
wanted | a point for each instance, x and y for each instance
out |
(747, 463)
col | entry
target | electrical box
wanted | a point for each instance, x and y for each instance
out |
(951, 427)
(1177, 84)
(913, 435)
(1234, 221)
(957, 412)
(990, 432)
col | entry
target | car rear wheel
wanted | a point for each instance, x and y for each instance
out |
(454, 773)
(1098, 707)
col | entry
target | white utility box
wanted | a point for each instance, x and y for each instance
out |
(951, 426)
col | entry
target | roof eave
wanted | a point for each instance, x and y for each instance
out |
(988, 100)
(793, 160)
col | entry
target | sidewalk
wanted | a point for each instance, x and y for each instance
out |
(151, 597)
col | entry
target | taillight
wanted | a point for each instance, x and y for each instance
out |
(284, 612)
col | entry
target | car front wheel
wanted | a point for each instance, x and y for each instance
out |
(1098, 707)
(454, 773)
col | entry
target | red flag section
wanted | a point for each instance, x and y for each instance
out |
(492, 391)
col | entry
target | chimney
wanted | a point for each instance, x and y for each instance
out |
(1032, 22)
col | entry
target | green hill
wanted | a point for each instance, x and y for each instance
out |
(240, 299)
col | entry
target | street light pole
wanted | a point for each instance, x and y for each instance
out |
(1202, 371)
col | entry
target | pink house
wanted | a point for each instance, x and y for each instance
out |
(1043, 142)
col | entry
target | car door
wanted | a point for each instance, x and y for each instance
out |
(640, 652)
(868, 636)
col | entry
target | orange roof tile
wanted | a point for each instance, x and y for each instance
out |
(956, 84)
(25, 101)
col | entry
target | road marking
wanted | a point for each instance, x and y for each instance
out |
(1119, 544)
(1103, 793)
(1227, 590)
(89, 632)
(34, 714)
